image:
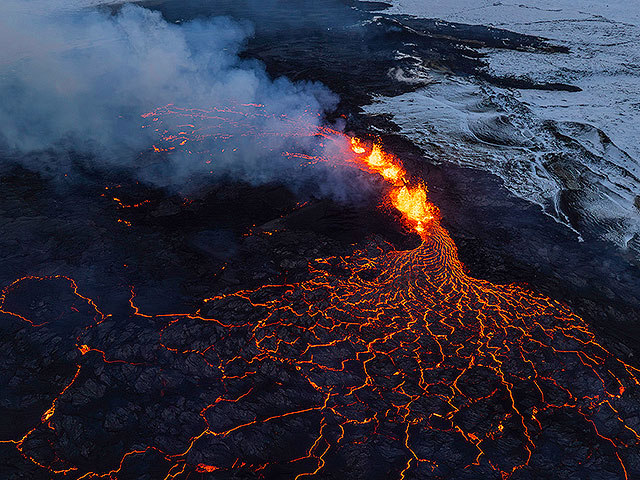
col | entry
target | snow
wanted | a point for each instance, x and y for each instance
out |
(604, 61)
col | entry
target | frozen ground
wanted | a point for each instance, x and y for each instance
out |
(575, 153)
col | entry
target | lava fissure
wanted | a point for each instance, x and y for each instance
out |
(448, 374)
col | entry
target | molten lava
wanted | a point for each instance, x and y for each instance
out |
(400, 350)
(411, 201)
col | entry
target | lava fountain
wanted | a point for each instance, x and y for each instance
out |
(388, 351)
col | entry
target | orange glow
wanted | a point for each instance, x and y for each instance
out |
(410, 200)
(383, 163)
(407, 331)
(202, 468)
(356, 145)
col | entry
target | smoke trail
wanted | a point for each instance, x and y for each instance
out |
(80, 80)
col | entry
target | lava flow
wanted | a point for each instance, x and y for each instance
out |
(383, 364)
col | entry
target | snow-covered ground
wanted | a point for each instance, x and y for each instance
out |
(577, 154)
(553, 148)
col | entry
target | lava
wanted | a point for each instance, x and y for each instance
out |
(401, 349)
(411, 201)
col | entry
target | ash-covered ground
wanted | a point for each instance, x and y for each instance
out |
(115, 376)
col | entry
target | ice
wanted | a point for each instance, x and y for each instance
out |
(586, 143)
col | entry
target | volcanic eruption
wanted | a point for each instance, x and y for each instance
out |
(396, 350)
(226, 274)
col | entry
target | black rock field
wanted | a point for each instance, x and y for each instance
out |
(221, 259)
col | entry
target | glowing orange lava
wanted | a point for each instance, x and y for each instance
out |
(411, 201)
(402, 350)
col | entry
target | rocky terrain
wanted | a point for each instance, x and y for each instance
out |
(251, 331)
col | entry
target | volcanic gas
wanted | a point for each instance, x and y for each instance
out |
(446, 375)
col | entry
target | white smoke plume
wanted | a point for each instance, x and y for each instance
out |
(80, 78)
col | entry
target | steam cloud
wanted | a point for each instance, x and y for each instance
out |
(80, 79)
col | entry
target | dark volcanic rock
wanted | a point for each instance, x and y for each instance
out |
(403, 371)
(236, 334)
